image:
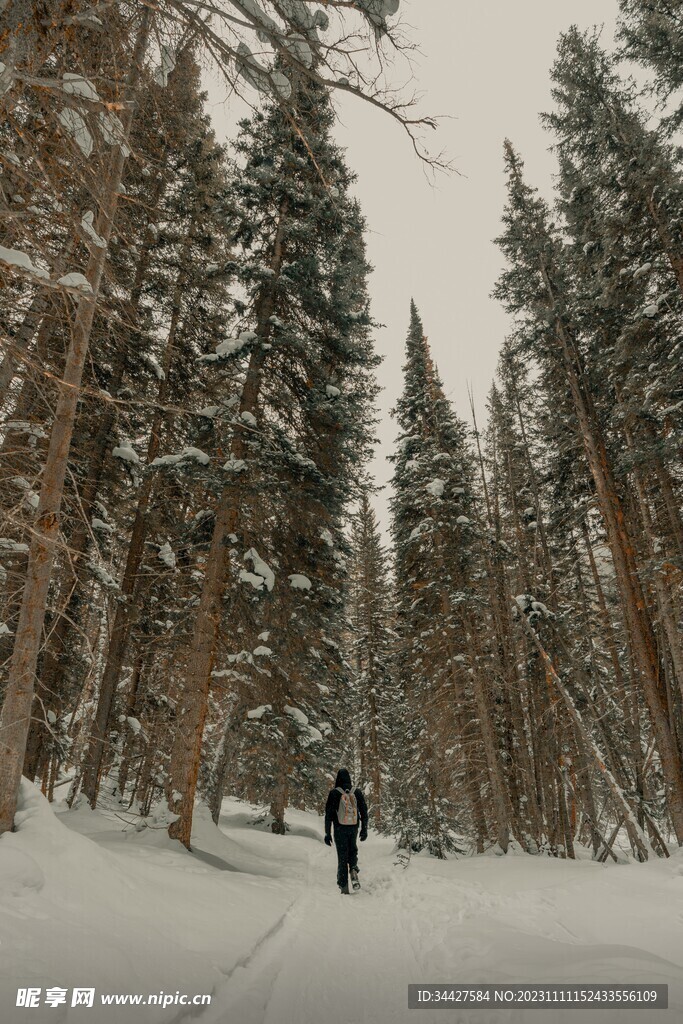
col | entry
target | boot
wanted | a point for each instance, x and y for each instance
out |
(345, 890)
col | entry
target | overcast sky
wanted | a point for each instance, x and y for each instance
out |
(485, 65)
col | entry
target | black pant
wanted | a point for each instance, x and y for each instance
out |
(345, 839)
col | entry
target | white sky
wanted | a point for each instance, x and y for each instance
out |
(485, 66)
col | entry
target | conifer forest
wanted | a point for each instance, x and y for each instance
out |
(201, 600)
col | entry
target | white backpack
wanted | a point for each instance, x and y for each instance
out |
(347, 812)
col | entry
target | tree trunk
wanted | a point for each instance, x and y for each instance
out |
(491, 749)
(621, 545)
(627, 694)
(20, 340)
(62, 641)
(118, 641)
(666, 613)
(215, 795)
(131, 708)
(496, 576)
(375, 768)
(16, 710)
(193, 698)
(635, 831)
(278, 805)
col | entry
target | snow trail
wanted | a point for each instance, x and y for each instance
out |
(302, 972)
(492, 920)
(256, 921)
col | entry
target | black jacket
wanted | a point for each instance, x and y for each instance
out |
(344, 781)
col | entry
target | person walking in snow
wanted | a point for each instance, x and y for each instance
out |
(344, 807)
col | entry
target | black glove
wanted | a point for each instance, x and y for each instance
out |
(363, 835)
(328, 840)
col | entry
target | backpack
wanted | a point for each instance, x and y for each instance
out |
(347, 812)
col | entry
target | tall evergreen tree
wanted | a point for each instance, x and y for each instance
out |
(536, 287)
(652, 34)
(442, 661)
(371, 642)
(303, 420)
(16, 709)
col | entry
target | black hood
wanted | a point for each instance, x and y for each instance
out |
(343, 779)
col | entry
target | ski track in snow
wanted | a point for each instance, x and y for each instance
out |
(348, 960)
(271, 986)
(257, 921)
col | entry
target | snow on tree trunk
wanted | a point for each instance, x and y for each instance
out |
(636, 833)
(186, 753)
(16, 711)
(118, 642)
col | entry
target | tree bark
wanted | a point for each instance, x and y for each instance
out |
(194, 694)
(62, 639)
(16, 710)
(118, 641)
(490, 743)
(19, 341)
(641, 636)
(637, 836)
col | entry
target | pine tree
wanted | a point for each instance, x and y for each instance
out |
(69, 149)
(651, 31)
(371, 643)
(189, 295)
(519, 563)
(621, 196)
(141, 262)
(536, 287)
(442, 659)
(16, 709)
(303, 422)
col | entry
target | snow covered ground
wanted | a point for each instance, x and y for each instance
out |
(256, 921)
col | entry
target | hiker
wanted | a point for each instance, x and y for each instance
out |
(344, 806)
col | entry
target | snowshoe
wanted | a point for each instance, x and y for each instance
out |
(354, 879)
